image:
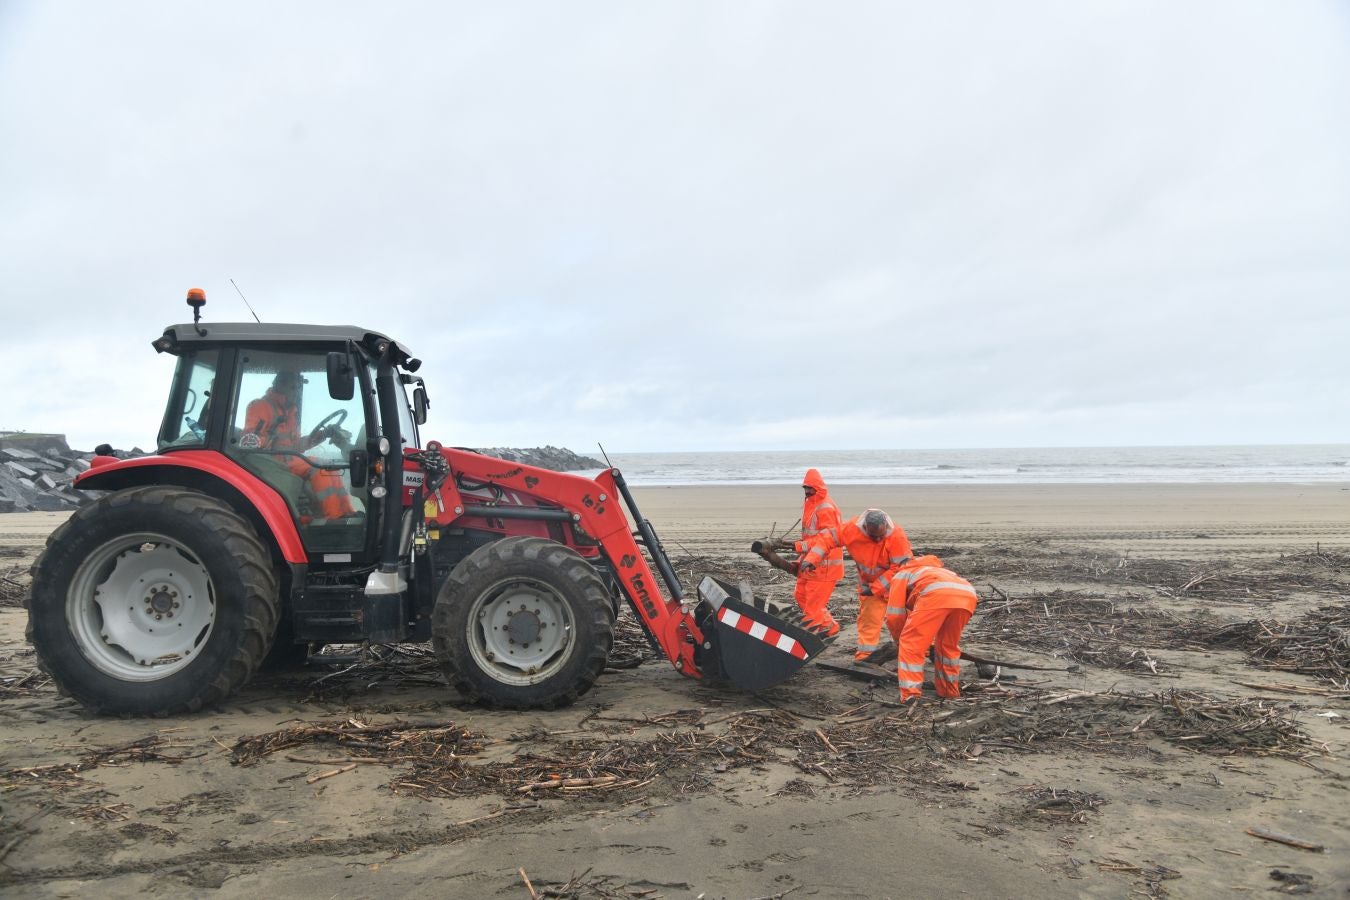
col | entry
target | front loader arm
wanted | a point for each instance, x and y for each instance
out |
(593, 506)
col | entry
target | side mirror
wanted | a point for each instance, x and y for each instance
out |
(341, 376)
(420, 405)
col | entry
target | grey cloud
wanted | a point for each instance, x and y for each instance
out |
(697, 224)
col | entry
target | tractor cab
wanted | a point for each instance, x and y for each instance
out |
(299, 407)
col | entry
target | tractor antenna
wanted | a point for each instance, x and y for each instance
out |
(246, 303)
(604, 454)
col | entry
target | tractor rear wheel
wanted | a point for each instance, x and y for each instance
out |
(152, 601)
(523, 623)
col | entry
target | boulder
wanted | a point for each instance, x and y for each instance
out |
(34, 442)
(557, 459)
(36, 470)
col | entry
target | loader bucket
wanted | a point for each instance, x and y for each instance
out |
(746, 644)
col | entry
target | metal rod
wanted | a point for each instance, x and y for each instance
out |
(518, 512)
(649, 538)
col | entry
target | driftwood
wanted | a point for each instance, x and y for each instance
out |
(1288, 839)
(763, 550)
(888, 653)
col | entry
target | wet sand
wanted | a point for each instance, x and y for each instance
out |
(1167, 519)
(953, 801)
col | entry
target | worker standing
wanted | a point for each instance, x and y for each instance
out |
(928, 605)
(815, 584)
(878, 547)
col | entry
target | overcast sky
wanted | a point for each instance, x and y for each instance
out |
(698, 226)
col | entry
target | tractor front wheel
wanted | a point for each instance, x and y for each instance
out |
(152, 601)
(523, 623)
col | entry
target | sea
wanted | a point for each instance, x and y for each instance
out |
(1296, 463)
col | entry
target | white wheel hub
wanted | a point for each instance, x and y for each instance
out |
(520, 631)
(140, 607)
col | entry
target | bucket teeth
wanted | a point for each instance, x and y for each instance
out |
(754, 644)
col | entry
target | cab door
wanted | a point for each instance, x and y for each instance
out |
(288, 430)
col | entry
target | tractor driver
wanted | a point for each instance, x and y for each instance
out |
(273, 423)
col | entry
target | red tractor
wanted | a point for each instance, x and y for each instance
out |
(292, 503)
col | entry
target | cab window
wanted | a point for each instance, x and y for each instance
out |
(407, 427)
(186, 418)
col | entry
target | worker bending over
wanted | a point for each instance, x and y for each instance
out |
(928, 605)
(815, 584)
(878, 547)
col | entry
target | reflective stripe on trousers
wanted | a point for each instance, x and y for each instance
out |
(924, 628)
(330, 493)
(871, 616)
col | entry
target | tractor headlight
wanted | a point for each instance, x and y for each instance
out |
(383, 446)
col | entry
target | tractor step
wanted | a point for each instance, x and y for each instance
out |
(345, 614)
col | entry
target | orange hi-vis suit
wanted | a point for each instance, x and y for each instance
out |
(816, 583)
(929, 605)
(275, 420)
(877, 562)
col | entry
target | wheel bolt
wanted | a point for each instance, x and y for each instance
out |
(158, 617)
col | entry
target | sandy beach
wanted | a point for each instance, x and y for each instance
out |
(1207, 700)
(1164, 520)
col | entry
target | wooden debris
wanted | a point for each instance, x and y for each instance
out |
(385, 742)
(330, 773)
(15, 584)
(1316, 644)
(1266, 834)
(1070, 625)
(525, 878)
(602, 781)
(1060, 805)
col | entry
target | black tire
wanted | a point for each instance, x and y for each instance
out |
(177, 540)
(554, 588)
